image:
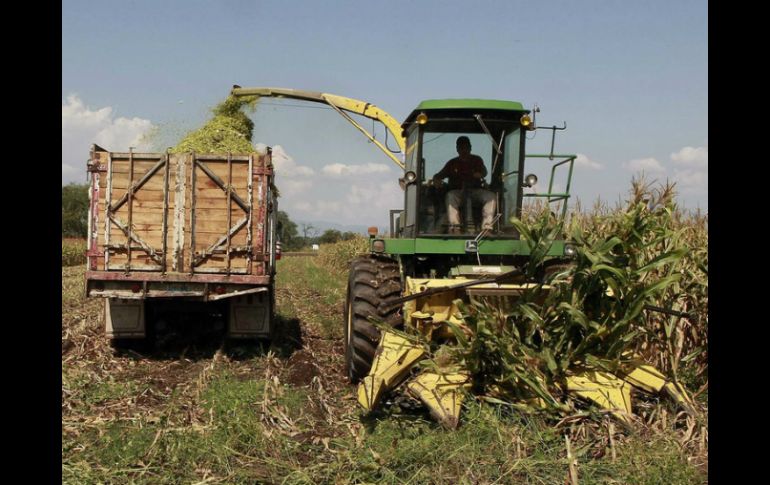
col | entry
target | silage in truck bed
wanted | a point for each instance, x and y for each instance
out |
(230, 130)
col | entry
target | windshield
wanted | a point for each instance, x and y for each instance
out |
(466, 186)
(439, 148)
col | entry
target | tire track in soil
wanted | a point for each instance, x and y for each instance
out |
(160, 377)
(169, 381)
(320, 359)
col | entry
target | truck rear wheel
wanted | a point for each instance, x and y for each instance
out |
(373, 282)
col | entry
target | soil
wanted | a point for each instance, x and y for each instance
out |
(177, 364)
(302, 368)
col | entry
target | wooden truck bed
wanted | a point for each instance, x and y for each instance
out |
(164, 225)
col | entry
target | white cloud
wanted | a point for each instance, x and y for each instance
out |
(342, 170)
(375, 194)
(645, 165)
(692, 157)
(691, 177)
(302, 206)
(691, 182)
(691, 170)
(285, 165)
(583, 161)
(294, 187)
(74, 113)
(327, 209)
(81, 126)
(365, 202)
(338, 199)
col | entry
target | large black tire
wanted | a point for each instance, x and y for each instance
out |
(373, 282)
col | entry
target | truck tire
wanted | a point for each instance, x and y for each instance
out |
(372, 283)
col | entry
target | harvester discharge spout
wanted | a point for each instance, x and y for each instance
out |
(342, 105)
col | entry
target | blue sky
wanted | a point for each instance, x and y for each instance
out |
(629, 78)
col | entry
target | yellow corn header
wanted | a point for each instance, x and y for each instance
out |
(442, 390)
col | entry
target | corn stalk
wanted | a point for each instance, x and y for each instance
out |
(594, 314)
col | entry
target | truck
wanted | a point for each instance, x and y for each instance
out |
(182, 231)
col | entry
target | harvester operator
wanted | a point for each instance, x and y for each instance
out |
(466, 172)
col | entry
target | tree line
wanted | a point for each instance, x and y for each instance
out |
(74, 210)
(297, 236)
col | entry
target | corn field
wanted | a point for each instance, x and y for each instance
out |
(73, 251)
(677, 346)
(637, 293)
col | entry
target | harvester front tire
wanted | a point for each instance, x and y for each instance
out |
(372, 283)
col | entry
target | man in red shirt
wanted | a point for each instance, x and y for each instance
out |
(466, 172)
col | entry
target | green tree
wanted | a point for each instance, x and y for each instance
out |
(330, 236)
(289, 236)
(74, 210)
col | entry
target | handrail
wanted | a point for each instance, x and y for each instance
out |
(551, 195)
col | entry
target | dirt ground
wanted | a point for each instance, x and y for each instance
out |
(180, 360)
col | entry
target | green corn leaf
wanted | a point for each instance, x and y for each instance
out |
(458, 334)
(692, 355)
(661, 284)
(549, 360)
(663, 259)
(605, 267)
